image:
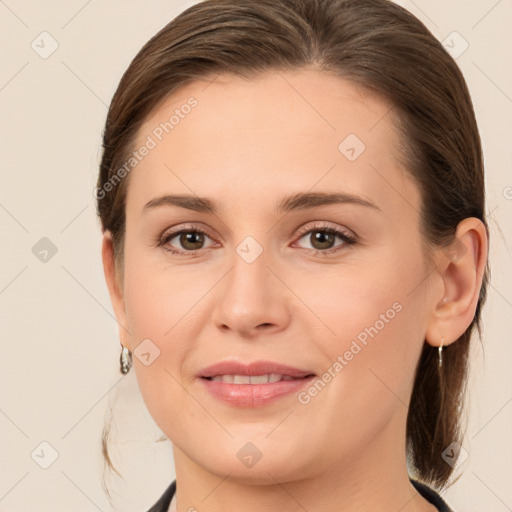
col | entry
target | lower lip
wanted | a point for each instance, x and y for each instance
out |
(254, 395)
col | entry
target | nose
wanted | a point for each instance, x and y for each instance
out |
(251, 300)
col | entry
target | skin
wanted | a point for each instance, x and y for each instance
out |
(246, 145)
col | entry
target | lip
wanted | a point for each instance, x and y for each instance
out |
(253, 395)
(254, 368)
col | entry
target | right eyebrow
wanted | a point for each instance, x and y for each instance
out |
(198, 204)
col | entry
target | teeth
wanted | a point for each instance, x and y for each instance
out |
(251, 379)
(241, 379)
(254, 379)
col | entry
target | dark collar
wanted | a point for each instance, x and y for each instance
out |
(431, 496)
(163, 503)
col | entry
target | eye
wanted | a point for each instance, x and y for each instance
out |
(190, 240)
(322, 238)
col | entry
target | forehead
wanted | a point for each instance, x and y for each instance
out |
(293, 130)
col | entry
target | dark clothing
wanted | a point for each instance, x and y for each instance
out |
(165, 500)
(431, 496)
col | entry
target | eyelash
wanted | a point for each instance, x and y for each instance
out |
(322, 227)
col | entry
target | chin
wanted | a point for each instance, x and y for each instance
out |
(257, 463)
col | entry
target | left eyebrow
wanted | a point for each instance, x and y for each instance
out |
(299, 201)
(306, 200)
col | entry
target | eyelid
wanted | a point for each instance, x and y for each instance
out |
(320, 225)
(186, 227)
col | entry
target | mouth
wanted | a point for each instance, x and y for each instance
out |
(254, 385)
(269, 378)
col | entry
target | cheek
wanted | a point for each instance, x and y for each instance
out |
(369, 364)
(160, 298)
(373, 318)
(162, 321)
(353, 301)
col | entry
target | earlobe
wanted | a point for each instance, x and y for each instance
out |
(114, 287)
(461, 267)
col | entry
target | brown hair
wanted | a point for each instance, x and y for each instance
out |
(379, 46)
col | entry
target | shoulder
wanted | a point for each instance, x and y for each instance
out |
(431, 496)
(162, 505)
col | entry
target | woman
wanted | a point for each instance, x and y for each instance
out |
(292, 199)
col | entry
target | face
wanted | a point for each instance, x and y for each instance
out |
(334, 285)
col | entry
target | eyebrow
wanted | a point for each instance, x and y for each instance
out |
(299, 201)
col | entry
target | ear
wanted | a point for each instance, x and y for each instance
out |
(461, 267)
(115, 287)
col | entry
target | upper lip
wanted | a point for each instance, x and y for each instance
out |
(254, 368)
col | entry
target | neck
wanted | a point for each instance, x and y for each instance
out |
(373, 477)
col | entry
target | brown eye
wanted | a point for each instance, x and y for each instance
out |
(191, 240)
(186, 241)
(322, 239)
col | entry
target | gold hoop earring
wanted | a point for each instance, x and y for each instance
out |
(125, 360)
(440, 353)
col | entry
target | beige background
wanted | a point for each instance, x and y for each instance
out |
(59, 344)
